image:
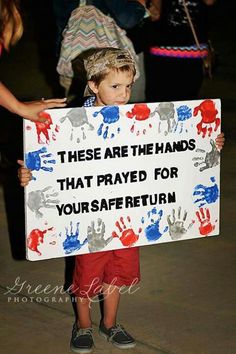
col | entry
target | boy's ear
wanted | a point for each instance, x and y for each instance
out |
(93, 86)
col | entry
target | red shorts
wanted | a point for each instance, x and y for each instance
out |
(118, 267)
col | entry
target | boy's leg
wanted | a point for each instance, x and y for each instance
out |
(122, 269)
(111, 296)
(109, 329)
(83, 312)
(87, 282)
(82, 335)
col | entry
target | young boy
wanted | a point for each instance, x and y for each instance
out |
(110, 74)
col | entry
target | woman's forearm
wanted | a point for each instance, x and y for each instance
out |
(28, 110)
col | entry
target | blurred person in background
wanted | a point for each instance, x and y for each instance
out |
(173, 61)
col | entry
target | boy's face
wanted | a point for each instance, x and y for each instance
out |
(114, 90)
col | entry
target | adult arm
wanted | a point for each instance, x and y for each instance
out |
(209, 2)
(155, 9)
(27, 110)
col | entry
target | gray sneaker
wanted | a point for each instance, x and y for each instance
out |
(81, 340)
(118, 336)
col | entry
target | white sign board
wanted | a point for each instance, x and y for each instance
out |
(113, 177)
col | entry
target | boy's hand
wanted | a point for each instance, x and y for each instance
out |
(24, 174)
(220, 140)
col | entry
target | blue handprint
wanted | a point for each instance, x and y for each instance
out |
(152, 231)
(110, 115)
(72, 242)
(183, 113)
(207, 195)
(34, 161)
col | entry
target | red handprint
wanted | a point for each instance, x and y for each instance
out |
(206, 226)
(139, 112)
(208, 113)
(34, 239)
(44, 127)
(128, 236)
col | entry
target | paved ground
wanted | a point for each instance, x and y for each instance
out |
(186, 301)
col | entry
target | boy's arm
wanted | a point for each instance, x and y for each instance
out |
(24, 174)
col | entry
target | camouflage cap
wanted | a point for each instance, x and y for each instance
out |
(106, 58)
